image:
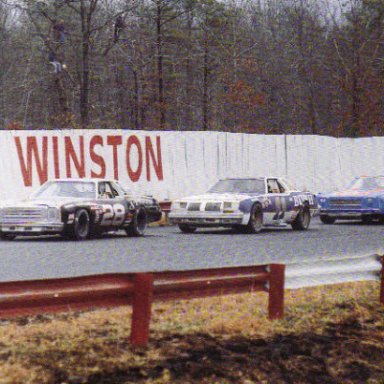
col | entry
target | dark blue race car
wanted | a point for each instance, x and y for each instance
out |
(362, 199)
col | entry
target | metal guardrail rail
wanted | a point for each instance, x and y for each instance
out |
(333, 271)
(140, 290)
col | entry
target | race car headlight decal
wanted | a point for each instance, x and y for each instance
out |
(213, 207)
(322, 202)
(179, 205)
(53, 214)
(370, 202)
(230, 207)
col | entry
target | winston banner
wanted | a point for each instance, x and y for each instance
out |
(172, 164)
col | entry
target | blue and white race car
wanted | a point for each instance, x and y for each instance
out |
(246, 204)
(362, 199)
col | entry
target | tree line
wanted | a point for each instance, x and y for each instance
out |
(256, 66)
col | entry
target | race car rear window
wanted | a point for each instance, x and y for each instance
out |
(239, 186)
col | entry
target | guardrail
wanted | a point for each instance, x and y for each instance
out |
(140, 290)
(165, 207)
(322, 272)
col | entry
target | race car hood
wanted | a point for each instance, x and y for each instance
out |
(216, 197)
(355, 193)
(55, 203)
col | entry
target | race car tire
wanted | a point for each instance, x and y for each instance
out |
(7, 236)
(185, 228)
(139, 223)
(325, 219)
(81, 225)
(303, 219)
(255, 223)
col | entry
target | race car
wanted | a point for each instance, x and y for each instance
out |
(247, 205)
(362, 199)
(78, 209)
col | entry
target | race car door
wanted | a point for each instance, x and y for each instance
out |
(279, 202)
(114, 206)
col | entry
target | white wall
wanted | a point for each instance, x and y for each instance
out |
(190, 162)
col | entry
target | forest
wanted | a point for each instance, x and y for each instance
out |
(254, 66)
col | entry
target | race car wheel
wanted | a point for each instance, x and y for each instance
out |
(303, 218)
(325, 219)
(139, 223)
(255, 222)
(186, 228)
(81, 225)
(7, 236)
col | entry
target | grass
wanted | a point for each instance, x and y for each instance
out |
(331, 334)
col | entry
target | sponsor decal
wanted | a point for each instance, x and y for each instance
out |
(68, 156)
(71, 218)
(113, 215)
(299, 199)
(265, 202)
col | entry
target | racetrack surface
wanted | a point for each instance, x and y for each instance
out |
(166, 248)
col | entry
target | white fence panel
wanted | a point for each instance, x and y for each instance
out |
(172, 164)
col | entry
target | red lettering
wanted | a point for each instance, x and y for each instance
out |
(149, 153)
(70, 154)
(115, 141)
(97, 159)
(134, 175)
(56, 163)
(33, 151)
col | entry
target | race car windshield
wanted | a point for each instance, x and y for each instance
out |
(239, 186)
(66, 189)
(367, 183)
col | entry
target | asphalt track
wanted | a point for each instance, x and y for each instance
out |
(166, 248)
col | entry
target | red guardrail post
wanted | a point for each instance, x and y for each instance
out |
(276, 291)
(382, 281)
(165, 208)
(141, 309)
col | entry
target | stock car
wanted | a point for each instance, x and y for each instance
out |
(362, 199)
(78, 209)
(245, 204)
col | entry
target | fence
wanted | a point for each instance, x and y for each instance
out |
(172, 164)
(142, 289)
(321, 272)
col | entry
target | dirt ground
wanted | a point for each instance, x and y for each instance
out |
(349, 352)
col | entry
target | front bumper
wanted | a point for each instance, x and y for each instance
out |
(32, 228)
(207, 219)
(350, 213)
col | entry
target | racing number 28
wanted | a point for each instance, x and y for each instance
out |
(113, 215)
